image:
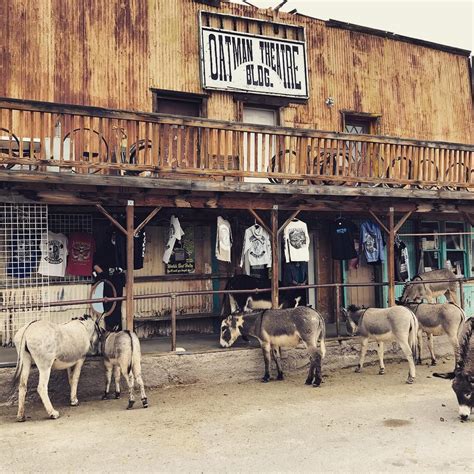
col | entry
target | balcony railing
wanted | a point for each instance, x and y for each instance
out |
(63, 138)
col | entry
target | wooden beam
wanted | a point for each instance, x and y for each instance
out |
(275, 257)
(111, 219)
(293, 215)
(130, 257)
(402, 221)
(379, 221)
(260, 221)
(468, 218)
(147, 219)
(391, 257)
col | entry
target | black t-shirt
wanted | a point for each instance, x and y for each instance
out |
(342, 239)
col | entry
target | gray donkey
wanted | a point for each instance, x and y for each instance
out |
(275, 328)
(53, 346)
(463, 375)
(383, 324)
(435, 319)
(122, 354)
(416, 292)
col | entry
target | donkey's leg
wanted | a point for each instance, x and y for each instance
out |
(22, 387)
(431, 348)
(451, 296)
(276, 357)
(117, 380)
(419, 342)
(363, 351)
(409, 356)
(76, 373)
(266, 358)
(42, 389)
(108, 378)
(380, 353)
(453, 338)
(124, 366)
(315, 358)
(138, 377)
(69, 376)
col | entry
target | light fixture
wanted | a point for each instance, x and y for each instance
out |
(329, 102)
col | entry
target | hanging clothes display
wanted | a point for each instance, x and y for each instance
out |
(296, 241)
(175, 233)
(402, 266)
(372, 245)
(24, 257)
(81, 248)
(257, 248)
(139, 247)
(223, 240)
(343, 233)
(53, 254)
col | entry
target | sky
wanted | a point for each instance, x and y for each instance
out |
(448, 22)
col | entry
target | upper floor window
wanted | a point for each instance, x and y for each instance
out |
(179, 103)
(360, 123)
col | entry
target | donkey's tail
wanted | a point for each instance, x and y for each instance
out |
(322, 336)
(413, 334)
(21, 349)
(130, 364)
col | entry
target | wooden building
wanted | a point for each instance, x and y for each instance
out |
(206, 108)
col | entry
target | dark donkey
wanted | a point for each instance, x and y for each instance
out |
(275, 328)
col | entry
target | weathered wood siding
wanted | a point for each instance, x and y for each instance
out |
(111, 53)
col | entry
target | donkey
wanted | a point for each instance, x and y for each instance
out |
(122, 354)
(53, 346)
(275, 328)
(463, 375)
(382, 324)
(416, 292)
(435, 319)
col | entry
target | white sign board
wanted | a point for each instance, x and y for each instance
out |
(232, 61)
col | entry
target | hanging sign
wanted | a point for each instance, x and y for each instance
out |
(182, 259)
(232, 61)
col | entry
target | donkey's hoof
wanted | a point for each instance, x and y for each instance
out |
(145, 402)
(308, 382)
(21, 418)
(280, 377)
(117, 395)
(433, 362)
(54, 415)
(358, 369)
(410, 379)
(130, 404)
(382, 371)
(265, 379)
(105, 396)
(74, 402)
(418, 362)
(317, 383)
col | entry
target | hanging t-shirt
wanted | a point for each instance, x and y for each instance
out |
(343, 232)
(223, 240)
(296, 239)
(257, 248)
(175, 233)
(372, 243)
(81, 248)
(53, 254)
(402, 267)
(24, 257)
(139, 246)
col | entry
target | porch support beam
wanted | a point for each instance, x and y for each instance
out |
(275, 254)
(260, 221)
(147, 219)
(111, 219)
(293, 215)
(391, 257)
(381, 224)
(402, 221)
(130, 213)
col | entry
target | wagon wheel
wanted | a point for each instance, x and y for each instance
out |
(98, 146)
(469, 177)
(431, 165)
(97, 292)
(331, 162)
(278, 163)
(5, 152)
(134, 152)
(391, 166)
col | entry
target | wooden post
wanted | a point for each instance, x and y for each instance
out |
(461, 293)
(173, 322)
(391, 257)
(275, 254)
(129, 274)
(338, 309)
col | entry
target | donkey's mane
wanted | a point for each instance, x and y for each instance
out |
(84, 317)
(465, 344)
(353, 308)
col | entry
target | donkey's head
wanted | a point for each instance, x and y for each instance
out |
(413, 292)
(230, 328)
(95, 329)
(351, 316)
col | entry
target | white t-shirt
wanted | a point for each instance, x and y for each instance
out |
(53, 254)
(296, 240)
(257, 249)
(175, 233)
(223, 240)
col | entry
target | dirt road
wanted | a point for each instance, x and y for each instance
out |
(353, 423)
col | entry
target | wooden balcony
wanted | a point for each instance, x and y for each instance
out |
(39, 136)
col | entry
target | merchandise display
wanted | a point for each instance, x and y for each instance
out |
(54, 251)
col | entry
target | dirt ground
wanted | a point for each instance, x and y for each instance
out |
(353, 423)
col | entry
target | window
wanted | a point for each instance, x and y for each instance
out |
(359, 122)
(179, 103)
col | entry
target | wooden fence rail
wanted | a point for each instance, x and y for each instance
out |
(65, 138)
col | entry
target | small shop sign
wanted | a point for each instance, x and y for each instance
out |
(182, 259)
(233, 61)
